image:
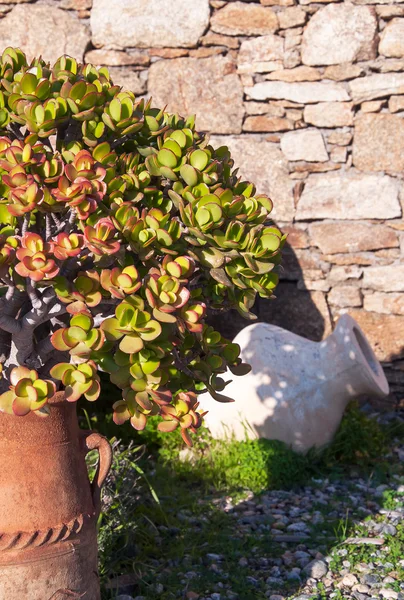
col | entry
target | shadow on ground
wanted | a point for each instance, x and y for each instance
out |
(190, 541)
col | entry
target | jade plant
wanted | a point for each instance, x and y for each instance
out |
(121, 229)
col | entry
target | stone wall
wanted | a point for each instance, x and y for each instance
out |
(308, 95)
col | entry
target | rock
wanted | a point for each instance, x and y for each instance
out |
(379, 143)
(257, 54)
(361, 588)
(384, 303)
(389, 278)
(302, 93)
(389, 594)
(115, 58)
(306, 144)
(182, 84)
(392, 39)
(384, 332)
(205, 52)
(135, 81)
(76, 4)
(44, 30)
(294, 115)
(340, 33)
(266, 123)
(291, 17)
(339, 154)
(329, 114)
(239, 18)
(302, 261)
(340, 138)
(343, 72)
(277, 2)
(396, 104)
(386, 12)
(345, 296)
(305, 168)
(292, 41)
(144, 23)
(264, 108)
(372, 106)
(349, 580)
(263, 163)
(376, 86)
(349, 196)
(168, 52)
(337, 237)
(292, 58)
(297, 237)
(343, 273)
(316, 569)
(301, 73)
(215, 39)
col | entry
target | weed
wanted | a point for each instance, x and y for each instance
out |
(161, 517)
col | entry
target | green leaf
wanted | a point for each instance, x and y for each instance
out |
(189, 175)
(179, 137)
(78, 90)
(131, 344)
(173, 146)
(240, 370)
(115, 109)
(167, 158)
(199, 159)
(29, 83)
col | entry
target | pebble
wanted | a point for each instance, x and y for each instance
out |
(388, 529)
(316, 569)
(307, 558)
(389, 594)
(349, 580)
(298, 526)
(360, 587)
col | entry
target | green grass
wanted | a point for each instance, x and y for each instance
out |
(160, 509)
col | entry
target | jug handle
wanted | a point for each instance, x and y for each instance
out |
(95, 441)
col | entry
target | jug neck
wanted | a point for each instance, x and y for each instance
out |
(353, 360)
(59, 427)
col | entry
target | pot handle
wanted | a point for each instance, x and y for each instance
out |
(95, 441)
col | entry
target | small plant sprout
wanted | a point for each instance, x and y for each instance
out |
(121, 229)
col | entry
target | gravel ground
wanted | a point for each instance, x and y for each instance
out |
(339, 539)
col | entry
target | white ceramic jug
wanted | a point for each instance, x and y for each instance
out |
(297, 389)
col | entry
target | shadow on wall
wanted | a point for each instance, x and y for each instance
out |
(394, 369)
(306, 314)
(292, 309)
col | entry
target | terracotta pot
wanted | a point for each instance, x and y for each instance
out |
(49, 508)
(297, 390)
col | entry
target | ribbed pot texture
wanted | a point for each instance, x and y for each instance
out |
(49, 508)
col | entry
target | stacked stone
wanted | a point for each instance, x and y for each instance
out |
(309, 96)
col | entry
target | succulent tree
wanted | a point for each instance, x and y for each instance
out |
(121, 227)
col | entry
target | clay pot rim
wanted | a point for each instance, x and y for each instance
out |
(58, 398)
(365, 353)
